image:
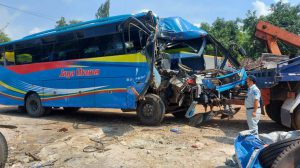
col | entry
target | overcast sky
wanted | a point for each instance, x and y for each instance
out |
(20, 24)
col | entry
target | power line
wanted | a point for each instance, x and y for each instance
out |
(28, 12)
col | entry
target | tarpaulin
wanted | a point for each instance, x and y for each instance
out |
(176, 28)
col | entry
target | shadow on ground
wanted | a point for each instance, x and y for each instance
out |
(113, 118)
(112, 122)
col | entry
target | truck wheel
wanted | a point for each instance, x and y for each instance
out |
(269, 154)
(151, 110)
(3, 151)
(290, 157)
(34, 106)
(273, 110)
(71, 109)
(296, 119)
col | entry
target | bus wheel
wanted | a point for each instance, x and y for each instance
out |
(273, 110)
(3, 151)
(34, 106)
(296, 119)
(21, 109)
(151, 110)
(71, 109)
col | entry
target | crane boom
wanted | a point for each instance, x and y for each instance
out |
(271, 34)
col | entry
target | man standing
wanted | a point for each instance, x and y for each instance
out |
(252, 103)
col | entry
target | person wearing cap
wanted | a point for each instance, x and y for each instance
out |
(252, 103)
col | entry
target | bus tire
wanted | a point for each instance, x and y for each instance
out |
(21, 109)
(151, 110)
(71, 109)
(296, 119)
(290, 157)
(269, 154)
(273, 110)
(3, 151)
(34, 106)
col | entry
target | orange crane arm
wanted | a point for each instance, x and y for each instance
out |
(271, 34)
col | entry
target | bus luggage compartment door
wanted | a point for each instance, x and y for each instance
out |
(112, 94)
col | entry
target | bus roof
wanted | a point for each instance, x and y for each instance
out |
(78, 26)
(174, 28)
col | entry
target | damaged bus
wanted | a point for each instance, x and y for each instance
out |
(131, 62)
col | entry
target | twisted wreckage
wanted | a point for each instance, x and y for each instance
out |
(181, 75)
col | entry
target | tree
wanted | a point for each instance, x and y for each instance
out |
(283, 15)
(62, 22)
(225, 31)
(3, 37)
(253, 46)
(205, 26)
(242, 32)
(103, 10)
(286, 16)
(74, 22)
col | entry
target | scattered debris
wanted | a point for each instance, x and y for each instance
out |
(230, 163)
(91, 149)
(35, 158)
(194, 146)
(176, 130)
(8, 126)
(63, 130)
(68, 138)
(47, 163)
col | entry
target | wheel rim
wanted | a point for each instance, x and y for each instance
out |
(34, 105)
(148, 110)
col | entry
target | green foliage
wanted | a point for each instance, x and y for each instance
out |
(205, 26)
(62, 22)
(253, 46)
(3, 37)
(225, 31)
(242, 32)
(103, 10)
(74, 22)
(286, 16)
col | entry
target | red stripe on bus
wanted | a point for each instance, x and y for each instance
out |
(9, 96)
(30, 68)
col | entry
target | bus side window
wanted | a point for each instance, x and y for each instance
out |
(134, 41)
(111, 45)
(30, 55)
(2, 59)
(65, 51)
(10, 58)
(108, 45)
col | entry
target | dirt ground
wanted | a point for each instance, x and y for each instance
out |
(110, 138)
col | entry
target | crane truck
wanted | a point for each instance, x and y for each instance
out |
(279, 78)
